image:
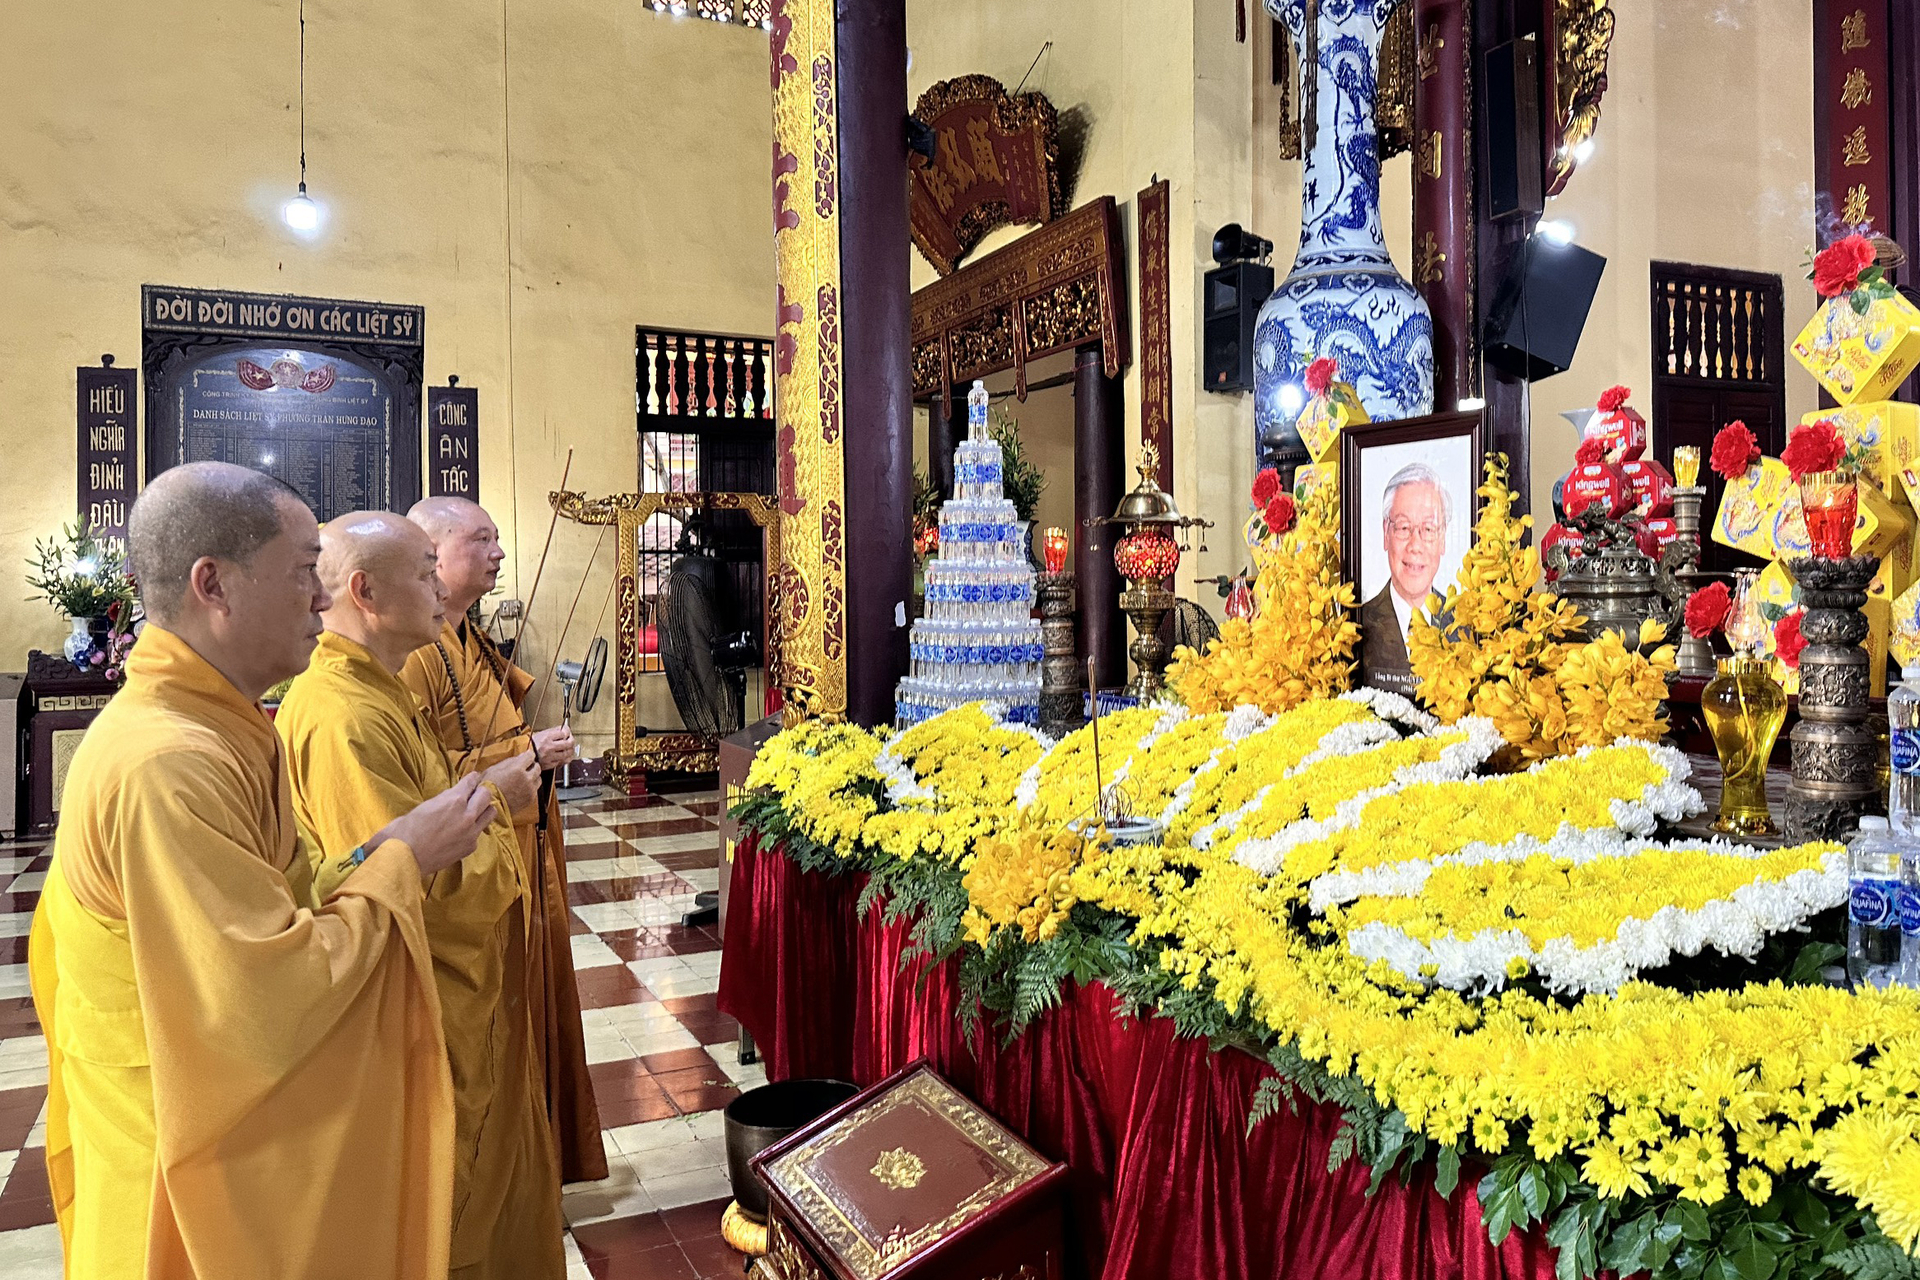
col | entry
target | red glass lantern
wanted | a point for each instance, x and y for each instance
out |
(1830, 504)
(1147, 555)
(1056, 549)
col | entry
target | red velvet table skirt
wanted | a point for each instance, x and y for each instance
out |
(1166, 1179)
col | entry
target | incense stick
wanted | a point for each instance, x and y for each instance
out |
(526, 608)
(1099, 803)
(559, 646)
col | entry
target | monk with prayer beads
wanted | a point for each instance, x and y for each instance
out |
(458, 680)
(245, 1078)
(360, 751)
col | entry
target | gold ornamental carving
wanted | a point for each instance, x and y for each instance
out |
(1853, 31)
(1856, 90)
(899, 1169)
(996, 163)
(1582, 35)
(1394, 87)
(635, 750)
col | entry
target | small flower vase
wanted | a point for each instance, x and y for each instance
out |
(1744, 707)
(79, 643)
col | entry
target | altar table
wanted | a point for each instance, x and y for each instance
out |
(1167, 1181)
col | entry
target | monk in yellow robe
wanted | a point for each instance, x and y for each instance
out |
(359, 753)
(458, 681)
(234, 1071)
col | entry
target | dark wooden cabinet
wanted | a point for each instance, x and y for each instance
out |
(61, 703)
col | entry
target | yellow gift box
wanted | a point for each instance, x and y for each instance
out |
(1749, 505)
(1861, 357)
(1307, 478)
(1321, 420)
(1904, 628)
(1887, 433)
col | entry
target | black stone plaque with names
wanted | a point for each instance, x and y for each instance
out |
(453, 442)
(107, 474)
(323, 393)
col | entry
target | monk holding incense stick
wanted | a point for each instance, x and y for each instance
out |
(459, 680)
(358, 747)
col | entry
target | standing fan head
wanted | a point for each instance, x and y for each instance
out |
(592, 672)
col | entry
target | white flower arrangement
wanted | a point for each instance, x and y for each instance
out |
(1394, 707)
(1346, 739)
(1736, 925)
(905, 787)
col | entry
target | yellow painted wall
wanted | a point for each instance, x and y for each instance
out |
(540, 175)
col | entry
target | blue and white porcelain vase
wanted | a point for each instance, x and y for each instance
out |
(1343, 297)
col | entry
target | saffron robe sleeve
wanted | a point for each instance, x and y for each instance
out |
(359, 757)
(234, 1076)
(478, 725)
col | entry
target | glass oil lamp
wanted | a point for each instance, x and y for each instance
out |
(1830, 504)
(1146, 555)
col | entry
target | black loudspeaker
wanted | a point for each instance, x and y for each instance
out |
(1515, 163)
(1233, 295)
(1535, 321)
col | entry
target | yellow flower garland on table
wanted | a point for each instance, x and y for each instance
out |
(1171, 759)
(1429, 820)
(1242, 768)
(966, 756)
(1506, 651)
(1065, 774)
(1547, 898)
(815, 769)
(1318, 789)
(1300, 642)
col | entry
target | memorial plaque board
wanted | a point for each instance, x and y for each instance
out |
(453, 442)
(323, 394)
(107, 473)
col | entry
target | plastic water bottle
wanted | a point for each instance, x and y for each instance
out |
(1906, 905)
(977, 411)
(1903, 726)
(1873, 920)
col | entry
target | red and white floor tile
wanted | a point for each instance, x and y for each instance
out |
(663, 1058)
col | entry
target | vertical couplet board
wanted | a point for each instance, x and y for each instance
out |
(453, 442)
(810, 583)
(107, 472)
(1156, 338)
(1852, 112)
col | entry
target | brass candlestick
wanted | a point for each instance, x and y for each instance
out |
(1680, 577)
(1146, 555)
(1834, 753)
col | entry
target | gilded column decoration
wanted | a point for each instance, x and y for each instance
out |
(1153, 206)
(1582, 34)
(1443, 222)
(811, 576)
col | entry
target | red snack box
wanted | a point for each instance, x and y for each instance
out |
(1601, 482)
(1652, 486)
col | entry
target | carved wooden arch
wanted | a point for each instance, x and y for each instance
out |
(1056, 288)
(628, 512)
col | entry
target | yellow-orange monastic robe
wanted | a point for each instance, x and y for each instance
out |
(457, 680)
(233, 1077)
(361, 755)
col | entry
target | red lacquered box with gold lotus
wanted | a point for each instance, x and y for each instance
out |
(910, 1179)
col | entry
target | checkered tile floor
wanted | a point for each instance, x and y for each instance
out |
(663, 1058)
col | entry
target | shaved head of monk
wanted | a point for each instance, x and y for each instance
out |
(379, 569)
(468, 544)
(225, 558)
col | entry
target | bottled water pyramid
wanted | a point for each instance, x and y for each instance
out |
(979, 641)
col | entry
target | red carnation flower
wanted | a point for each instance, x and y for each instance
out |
(1707, 608)
(1591, 450)
(1612, 398)
(1787, 640)
(1266, 486)
(1837, 268)
(1280, 513)
(1320, 375)
(1816, 446)
(1734, 450)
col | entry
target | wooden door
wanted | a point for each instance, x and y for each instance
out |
(1718, 357)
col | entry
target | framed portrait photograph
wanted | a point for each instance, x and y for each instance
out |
(1407, 506)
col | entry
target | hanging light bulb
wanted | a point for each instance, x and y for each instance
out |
(301, 213)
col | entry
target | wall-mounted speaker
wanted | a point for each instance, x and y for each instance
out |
(1231, 299)
(1516, 165)
(1540, 308)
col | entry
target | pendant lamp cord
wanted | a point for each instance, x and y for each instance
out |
(303, 96)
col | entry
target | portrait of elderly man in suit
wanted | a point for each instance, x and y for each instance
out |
(1416, 511)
